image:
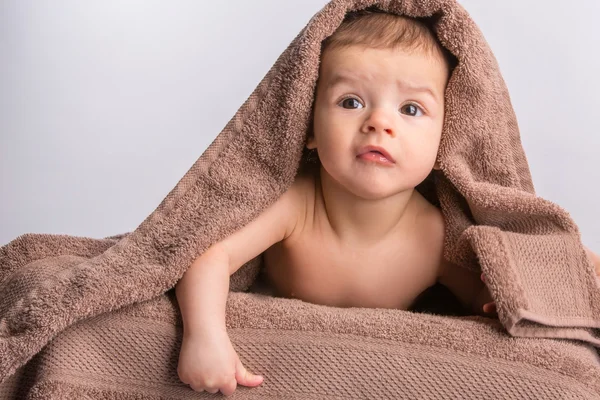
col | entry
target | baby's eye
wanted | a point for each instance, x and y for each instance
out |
(350, 101)
(412, 109)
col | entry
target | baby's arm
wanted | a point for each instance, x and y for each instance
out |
(206, 352)
(207, 359)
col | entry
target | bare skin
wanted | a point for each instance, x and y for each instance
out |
(365, 236)
(315, 265)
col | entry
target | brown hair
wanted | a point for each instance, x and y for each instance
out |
(374, 28)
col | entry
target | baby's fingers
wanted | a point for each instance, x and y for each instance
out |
(229, 387)
(246, 378)
(490, 308)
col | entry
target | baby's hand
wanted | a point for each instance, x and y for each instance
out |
(210, 363)
(489, 306)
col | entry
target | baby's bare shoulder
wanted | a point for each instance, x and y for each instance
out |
(430, 238)
(301, 192)
(271, 226)
(430, 223)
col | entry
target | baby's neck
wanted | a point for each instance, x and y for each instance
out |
(362, 221)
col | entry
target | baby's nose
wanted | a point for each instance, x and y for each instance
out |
(379, 121)
(383, 128)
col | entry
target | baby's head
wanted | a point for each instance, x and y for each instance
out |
(381, 82)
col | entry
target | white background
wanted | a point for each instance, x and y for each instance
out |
(105, 105)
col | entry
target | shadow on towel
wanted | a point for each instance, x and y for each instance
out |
(436, 299)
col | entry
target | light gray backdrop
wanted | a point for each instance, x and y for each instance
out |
(106, 104)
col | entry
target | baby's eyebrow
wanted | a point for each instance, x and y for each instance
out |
(338, 78)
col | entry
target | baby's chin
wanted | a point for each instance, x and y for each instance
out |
(375, 187)
(374, 193)
(372, 183)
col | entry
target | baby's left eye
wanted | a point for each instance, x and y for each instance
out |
(412, 109)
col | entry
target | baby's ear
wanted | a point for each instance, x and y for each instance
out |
(311, 143)
(436, 166)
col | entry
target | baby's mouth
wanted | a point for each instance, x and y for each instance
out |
(375, 156)
(375, 153)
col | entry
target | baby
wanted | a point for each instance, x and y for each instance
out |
(354, 232)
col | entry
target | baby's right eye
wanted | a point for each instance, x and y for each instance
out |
(350, 100)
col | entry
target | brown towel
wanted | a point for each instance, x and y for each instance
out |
(529, 248)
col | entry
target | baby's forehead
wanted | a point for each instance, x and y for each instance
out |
(426, 72)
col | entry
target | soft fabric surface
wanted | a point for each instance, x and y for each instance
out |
(89, 317)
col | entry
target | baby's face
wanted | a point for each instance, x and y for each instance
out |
(393, 99)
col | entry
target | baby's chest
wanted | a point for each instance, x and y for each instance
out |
(318, 270)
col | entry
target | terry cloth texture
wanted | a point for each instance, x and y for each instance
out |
(94, 318)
